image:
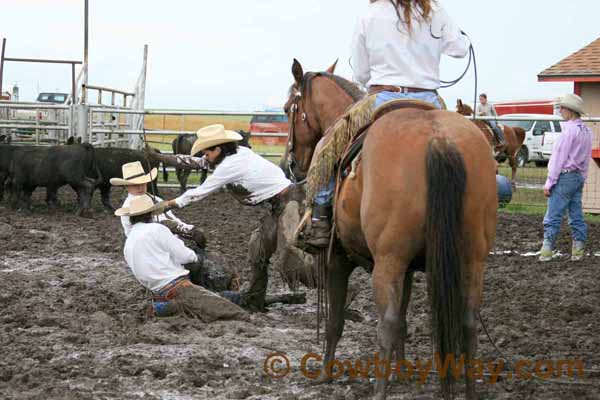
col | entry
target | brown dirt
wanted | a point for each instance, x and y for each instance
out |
(72, 322)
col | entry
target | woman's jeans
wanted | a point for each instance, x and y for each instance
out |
(325, 195)
(565, 196)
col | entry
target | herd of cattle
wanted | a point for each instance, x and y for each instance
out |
(79, 165)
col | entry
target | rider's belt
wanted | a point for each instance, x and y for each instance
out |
(390, 88)
(567, 171)
(170, 289)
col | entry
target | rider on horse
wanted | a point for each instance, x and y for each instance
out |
(486, 109)
(396, 51)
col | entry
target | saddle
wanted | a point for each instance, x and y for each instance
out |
(354, 149)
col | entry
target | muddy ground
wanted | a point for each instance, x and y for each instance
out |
(72, 321)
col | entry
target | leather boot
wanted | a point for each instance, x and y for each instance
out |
(499, 138)
(317, 235)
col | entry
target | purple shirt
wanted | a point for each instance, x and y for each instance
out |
(572, 151)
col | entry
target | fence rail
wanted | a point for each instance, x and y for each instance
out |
(104, 125)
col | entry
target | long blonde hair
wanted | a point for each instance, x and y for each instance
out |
(423, 7)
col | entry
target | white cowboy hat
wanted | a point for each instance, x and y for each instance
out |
(139, 205)
(213, 135)
(134, 174)
(572, 102)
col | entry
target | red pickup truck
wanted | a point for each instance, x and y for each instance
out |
(269, 124)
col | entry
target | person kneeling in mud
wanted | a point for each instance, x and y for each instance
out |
(136, 181)
(213, 277)
(156, 257)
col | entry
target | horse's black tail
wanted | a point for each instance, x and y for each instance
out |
(444, 228)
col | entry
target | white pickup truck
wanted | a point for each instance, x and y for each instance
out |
(44, 116)
(539, 138)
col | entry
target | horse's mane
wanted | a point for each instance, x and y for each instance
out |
(349, 87)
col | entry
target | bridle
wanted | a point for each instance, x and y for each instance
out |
(289, 152)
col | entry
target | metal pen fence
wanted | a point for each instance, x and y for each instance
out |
(110, 126)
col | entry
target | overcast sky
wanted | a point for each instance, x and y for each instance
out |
(237, 55)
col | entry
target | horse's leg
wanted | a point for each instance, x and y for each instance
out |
(388, 288)
(406, 291)
(338, 273)
(179, 172)
(474, 293)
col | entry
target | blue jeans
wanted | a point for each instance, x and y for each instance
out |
(325, 195)
(565, 196)
(429, 97)
(496, 128)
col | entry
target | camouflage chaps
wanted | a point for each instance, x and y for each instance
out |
(272, 242)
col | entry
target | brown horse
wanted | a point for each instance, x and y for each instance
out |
(423, 198)
(514, 138)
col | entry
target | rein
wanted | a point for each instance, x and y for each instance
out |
(294, 111)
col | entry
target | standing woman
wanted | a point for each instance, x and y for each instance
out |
(396, 50)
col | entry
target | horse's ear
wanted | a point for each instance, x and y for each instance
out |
(297, 71)
(459, 102)
(70, 141)
(79, 139)
(331, 69)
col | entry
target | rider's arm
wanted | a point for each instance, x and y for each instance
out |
(222, 176)
(454, 43)
(178, 160)
(493, 110)
(360, 57)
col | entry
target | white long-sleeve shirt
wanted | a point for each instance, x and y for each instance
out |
(155, 255)
(382, 55)
(249, 177)
(161, 217)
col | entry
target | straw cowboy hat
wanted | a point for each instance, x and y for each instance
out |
(572, 102)
(213, 135)
(133, 174)
(139, 205)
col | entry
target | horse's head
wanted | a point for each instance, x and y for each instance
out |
(315, 100)
(463, 109)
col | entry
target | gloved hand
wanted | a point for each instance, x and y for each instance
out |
(164, 206)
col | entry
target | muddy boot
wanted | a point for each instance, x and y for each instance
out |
(317, 234)
(253, 298)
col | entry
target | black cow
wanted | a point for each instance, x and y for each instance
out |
(6, 152)
(53, 167)
(111, 159)
(182, 144)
